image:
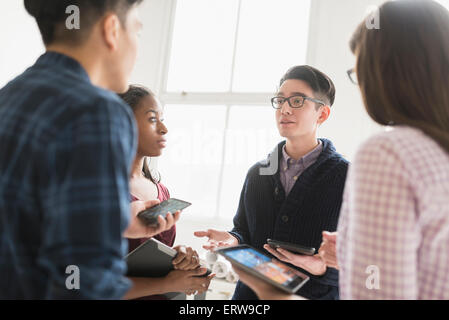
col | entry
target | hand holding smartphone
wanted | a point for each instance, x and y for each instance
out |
(149, 216)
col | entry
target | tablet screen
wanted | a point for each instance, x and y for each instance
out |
(268, 267)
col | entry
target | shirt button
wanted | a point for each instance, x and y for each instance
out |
(285, 218)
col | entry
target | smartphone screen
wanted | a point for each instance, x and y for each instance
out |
(149, 216)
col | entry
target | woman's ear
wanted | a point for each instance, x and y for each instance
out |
(110, 26)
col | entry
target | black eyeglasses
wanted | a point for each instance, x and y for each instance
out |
(293, 101)
(353, 76)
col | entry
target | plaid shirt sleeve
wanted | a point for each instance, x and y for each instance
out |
(378, 236)
(85, 195)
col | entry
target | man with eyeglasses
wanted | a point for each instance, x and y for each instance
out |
(301, 198)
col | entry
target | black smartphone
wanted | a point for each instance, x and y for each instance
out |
(291, 247)
(149, 216)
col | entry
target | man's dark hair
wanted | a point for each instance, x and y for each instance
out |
(320, 83)
(51, 15)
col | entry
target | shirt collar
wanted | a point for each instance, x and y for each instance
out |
(59, 60)
(306, 160)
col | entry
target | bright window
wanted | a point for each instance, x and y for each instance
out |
(191, 164)
(225, 62)
(272, 37)
(444, 3)
(202, 46)
(251, 135)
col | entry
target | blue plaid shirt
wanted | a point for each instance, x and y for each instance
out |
(66, 149)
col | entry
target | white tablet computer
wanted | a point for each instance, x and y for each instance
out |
(264, 267)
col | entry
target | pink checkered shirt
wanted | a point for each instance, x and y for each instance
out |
(393, 240)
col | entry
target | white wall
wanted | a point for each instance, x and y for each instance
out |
(20, 40)
(332, 25)
(155, 15)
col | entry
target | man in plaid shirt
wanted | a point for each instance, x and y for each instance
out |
(67, 144)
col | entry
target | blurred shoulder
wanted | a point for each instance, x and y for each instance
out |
(400, 140)
(404, 148)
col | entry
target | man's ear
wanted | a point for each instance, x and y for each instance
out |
(325, 112)
(111, 31)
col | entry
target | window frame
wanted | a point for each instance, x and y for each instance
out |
(227, 98)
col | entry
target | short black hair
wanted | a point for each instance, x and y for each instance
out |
(51, 15)
(320, 83)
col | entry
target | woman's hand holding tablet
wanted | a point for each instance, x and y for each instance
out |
(262, 289)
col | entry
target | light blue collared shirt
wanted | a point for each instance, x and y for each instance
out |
(292, 169)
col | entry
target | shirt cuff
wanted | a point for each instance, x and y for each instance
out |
(237, 236)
